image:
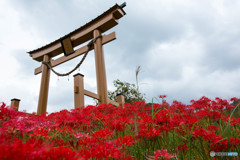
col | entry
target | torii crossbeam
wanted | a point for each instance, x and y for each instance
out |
(91, 30)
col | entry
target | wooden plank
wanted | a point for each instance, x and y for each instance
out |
(105, 39)
(43, 96)
(87, 34)
(91, 94)
(113, 102)
(78, 91)
(83, 36)
(52, 51)
(118, 14)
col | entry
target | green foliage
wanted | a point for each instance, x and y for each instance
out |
(236, 104)
(130, 92)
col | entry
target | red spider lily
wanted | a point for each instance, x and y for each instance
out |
(183, 147)
(202, 133)
(212, 128)
(127, 140)
(108, 132)
(117, 124)
(61, 153)
(149, 132)
(159, 154)
(234, 99)
(19, 150)
(79, 135)
(102, 134)
(218, 144)
(41, 132)
(235, 121)
(56, 142)
(101, 151)
(162, 96)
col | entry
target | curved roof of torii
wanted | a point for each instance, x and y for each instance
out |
(103, 22)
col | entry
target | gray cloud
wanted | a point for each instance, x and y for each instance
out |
(27, 65)
(187, 49)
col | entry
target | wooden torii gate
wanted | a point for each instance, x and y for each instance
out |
(92, 30)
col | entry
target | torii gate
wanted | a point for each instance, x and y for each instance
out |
(92, 30)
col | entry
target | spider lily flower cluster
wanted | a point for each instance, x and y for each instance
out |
(138, 131)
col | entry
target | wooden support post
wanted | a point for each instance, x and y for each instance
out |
(100, 69)
(43, 96)
(78, 91)
(113, 103)
(15, 103)
(121, 99)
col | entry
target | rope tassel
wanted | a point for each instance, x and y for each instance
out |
(89, 45)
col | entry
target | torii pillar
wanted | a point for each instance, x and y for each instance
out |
(43, 95)
(100, 69)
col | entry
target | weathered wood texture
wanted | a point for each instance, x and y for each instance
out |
(100, 68)
(113, 102)
(15, 103)
(78, 91)
(91, 94)
(43, 95)
(121, 100)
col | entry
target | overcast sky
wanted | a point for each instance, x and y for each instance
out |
(186, 49)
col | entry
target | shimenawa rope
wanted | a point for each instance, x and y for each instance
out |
(89, 45)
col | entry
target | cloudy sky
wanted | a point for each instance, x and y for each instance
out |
(186, 49)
